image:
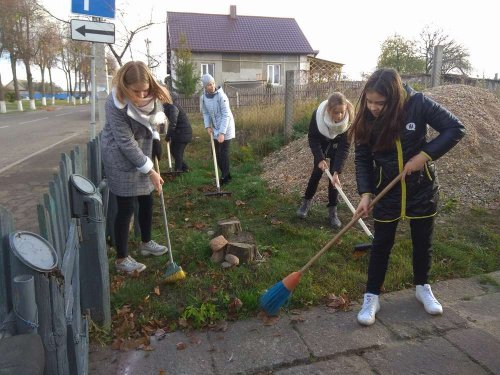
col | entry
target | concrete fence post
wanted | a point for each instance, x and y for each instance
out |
(289, 99)
(436, 66)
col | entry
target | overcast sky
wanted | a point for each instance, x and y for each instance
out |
(349, 32)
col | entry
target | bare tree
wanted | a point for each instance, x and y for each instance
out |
(455, 56)
(123, 43)
(28, 20)
(47, 40)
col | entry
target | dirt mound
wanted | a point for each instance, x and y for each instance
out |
(468, 173)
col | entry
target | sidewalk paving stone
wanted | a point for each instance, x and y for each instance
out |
(406, 317)
(479, 345)
(431, 356)
(338, 366)
(458, 289)
(250, 346)
(327, 333)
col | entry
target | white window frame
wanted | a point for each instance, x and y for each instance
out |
(274, 74)
(208, 68)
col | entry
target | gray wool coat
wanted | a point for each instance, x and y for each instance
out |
(126, 145)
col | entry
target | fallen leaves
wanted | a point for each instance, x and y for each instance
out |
(338, 303)
(268, 320)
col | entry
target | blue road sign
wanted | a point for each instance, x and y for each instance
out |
(97, 8)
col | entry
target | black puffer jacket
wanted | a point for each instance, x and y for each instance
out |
(323, 147)
(179, 128)
(417, 195)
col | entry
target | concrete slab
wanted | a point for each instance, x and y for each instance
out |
(431, 356)
(327, 333)
(458, 289)
(474, 341)
(482, 310)
(193, 360)
(249, 346)
(406, 317)
(338, 366)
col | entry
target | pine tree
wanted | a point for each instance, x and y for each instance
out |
(187, 76)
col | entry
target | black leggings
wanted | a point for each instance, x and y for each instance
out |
(177, 149)
(312, 185)
(222, 155)
(122, 222)
(421, 237)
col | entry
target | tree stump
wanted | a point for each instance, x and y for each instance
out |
(244, 251)
(228, 228)
(245, 237)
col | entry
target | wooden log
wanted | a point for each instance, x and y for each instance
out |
(217, 257)
(228, 227)
(218, 243)
(244, 251)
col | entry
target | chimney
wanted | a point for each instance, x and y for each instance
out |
(232, 11)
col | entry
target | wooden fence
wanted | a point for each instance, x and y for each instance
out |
(269, 95)
(66, 296)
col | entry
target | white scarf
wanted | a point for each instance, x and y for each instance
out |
(327, 126)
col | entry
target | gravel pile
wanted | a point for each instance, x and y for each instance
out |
(468, 173)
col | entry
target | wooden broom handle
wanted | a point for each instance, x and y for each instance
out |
(351, 223)
(349, 204)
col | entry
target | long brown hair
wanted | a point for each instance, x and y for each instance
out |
(137, 72)
(387, 83)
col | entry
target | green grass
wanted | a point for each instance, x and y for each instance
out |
(467, 244)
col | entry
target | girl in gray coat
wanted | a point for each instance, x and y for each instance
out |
(219, 122)
(134, 111)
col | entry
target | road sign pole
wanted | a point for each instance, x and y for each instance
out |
(94, 96)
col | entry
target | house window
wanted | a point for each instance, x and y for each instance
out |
(274, 74)
(208, 69)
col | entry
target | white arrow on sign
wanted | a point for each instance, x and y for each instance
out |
(89, 31)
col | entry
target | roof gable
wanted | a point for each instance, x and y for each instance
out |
(241, 34)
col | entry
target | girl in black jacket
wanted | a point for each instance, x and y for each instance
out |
(179, 133)
(328, 139)
(390, 136)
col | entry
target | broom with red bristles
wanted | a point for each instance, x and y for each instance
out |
(276, 296)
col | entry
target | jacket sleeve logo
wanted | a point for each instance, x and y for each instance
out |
(410, 126)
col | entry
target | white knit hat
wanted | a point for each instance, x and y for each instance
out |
(206, 79)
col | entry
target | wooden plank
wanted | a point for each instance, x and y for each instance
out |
(59, 230)
(44, 222)
(59, 323)
(61, 207)
(6, 227)
(56, 238)
(64, 173)
(68, 266)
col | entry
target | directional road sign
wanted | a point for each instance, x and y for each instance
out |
(98, 8)
(89, 31)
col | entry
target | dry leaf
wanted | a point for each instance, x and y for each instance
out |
(276, 222)
(146, 299)
(180, 346)
(157, 290)
(116, 344)
(268, 320)
(162, 372)
(235, 305)
(195, 340)
(199, 226)
(239, 203)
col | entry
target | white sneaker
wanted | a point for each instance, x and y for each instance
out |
(425, 296)
(152, 248)
(130, 265)
(371, 306)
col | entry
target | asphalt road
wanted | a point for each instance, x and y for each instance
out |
(31, 144)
